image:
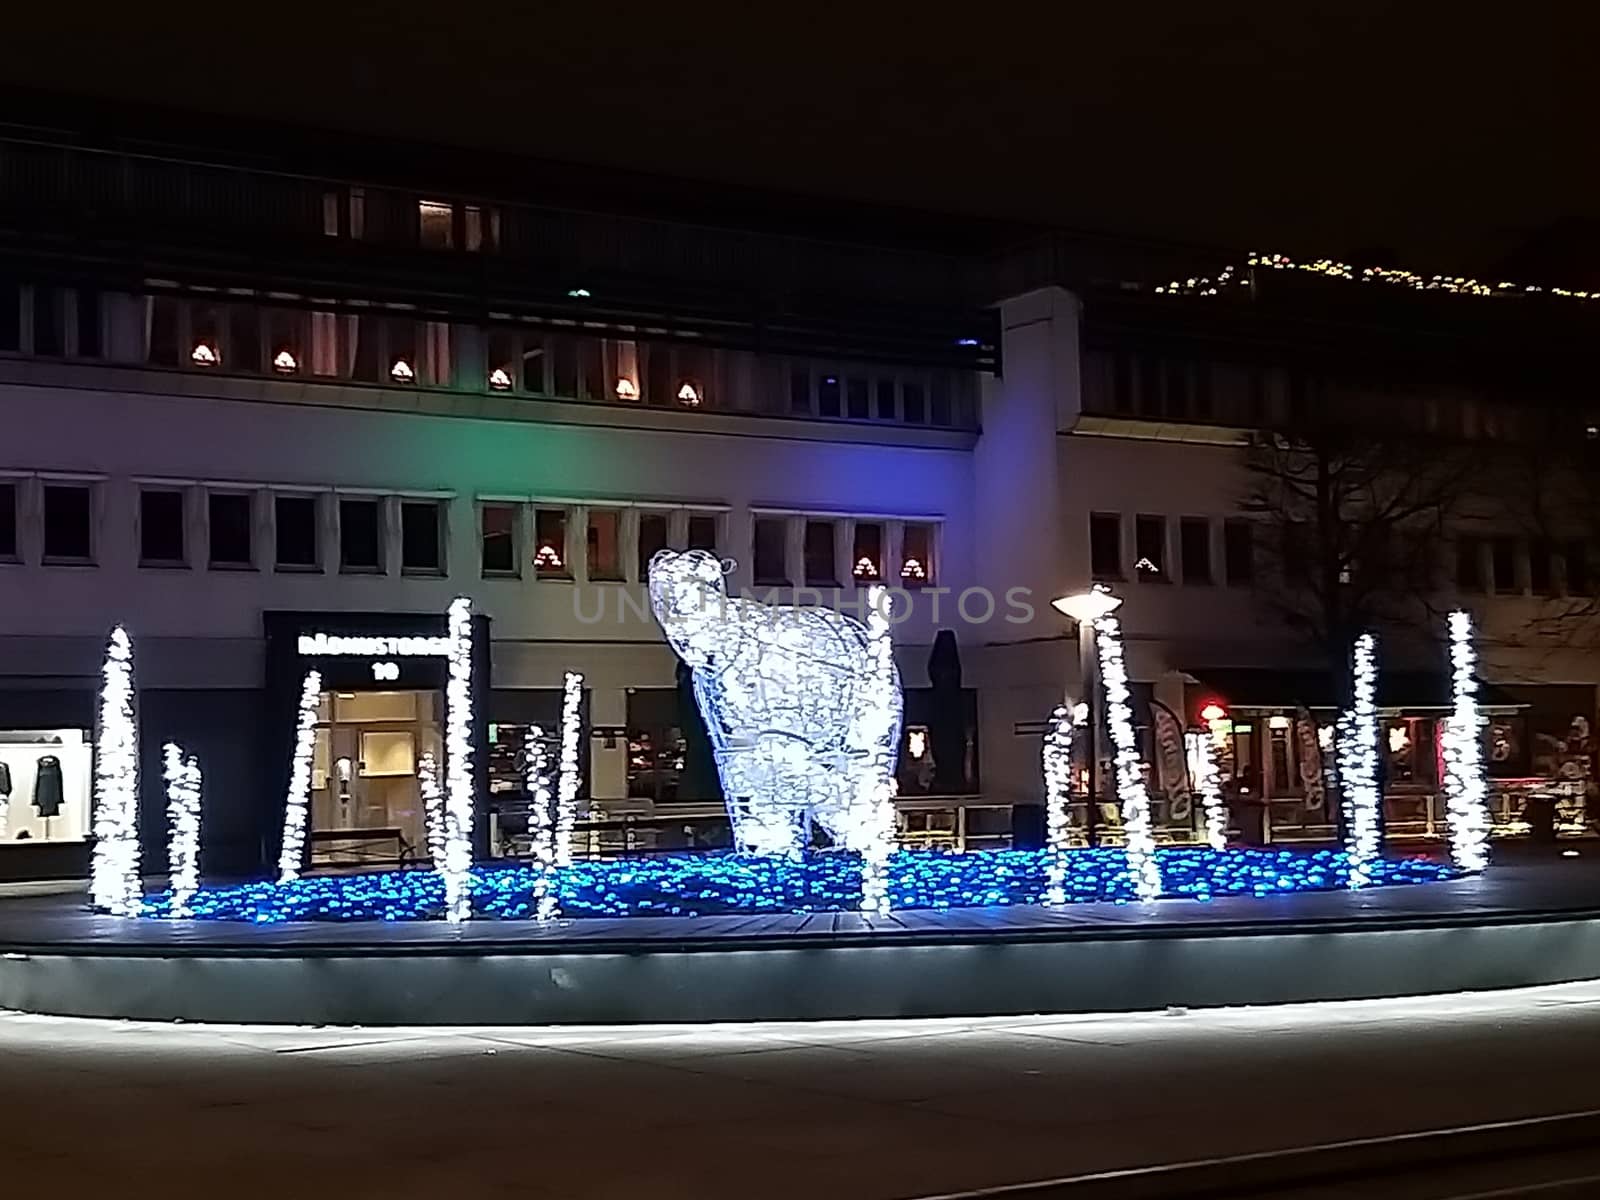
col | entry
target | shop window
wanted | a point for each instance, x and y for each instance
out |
(360, 538)
(421, 549)
(1150, 549)
(1105, 545)
(228, 523)
(821, 570)
(866, 555)
(1194, 536)
(1539, 570)
(49, 325)
(604, 552)
(917, 568)
(498, 539)
(436, 225)
(1503, 563)
(161, 541)
(799, 390)
(857, 398)
(550, 544)
(8, 522)
(90, 324)
(1579, 582)
(1239, 552)
(703, 532)
(771, 552)
(1278, 755)
(886, 404)
(828, 394)
(294, 520)
(45, 774)
(913, 400)
(1410, 756)
(1469, 564)
(652, 540)
(67, 532)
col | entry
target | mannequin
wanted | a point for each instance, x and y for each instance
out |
(47, 790)
(5, 796)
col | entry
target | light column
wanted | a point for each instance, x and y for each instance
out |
(1058, 800)
(114, 881)
(182, 776)
(1466, 792)
(567, 780)
(459, 781)
(292, 849)
(1142, 867)
(540, 831)
(1358, 764)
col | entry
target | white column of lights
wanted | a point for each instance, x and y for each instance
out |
(1142, 866)
(299, 798)
(432, 806)
(1058, 800)
(1203, 765)
(182, 775)
(879, 708)
(114, 874)
(458, 773)
(1358, 764)
(1466, 793)
(567, 779)
(537, 777)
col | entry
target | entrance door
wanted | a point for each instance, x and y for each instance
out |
(366, 803)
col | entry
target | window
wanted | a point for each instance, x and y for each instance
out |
(1239, 552)
(550, 544)
(419, 537)
(66, 523)
(799, 390)
(228, 522)
(857, 397)
(604, 549)
(886, 409)
(1122, 382)
(161, 331)
(49, 330)
(295, 523)
(1577, 563)
(828, 396)
(866, 557)
(360, 547)
(1503, 563)
(703, 532)
(915, 402)
(939, 400)
(820, 566)
(916, 556)
(161, 528)
(771, 552)
(1150, 549)
(658, 387)
(563, 367)
(1539, 567)
(8, 521)
(1194, 536)
(436, 223)
(10, 315)
(652, 540)
(89, 323)
(1105, 545)
(498, 539)
(1469, 564)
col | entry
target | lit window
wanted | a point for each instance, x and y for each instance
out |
(916, 555)
(204, 355)
(867, 555)
(499, 380)
(435, 224)
(285, 363)
(401, 372)
(689, 395)
(627, 389)
(550, 538)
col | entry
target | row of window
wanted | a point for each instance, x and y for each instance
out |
(1509, 565)
(180, 525)
(1152, 545)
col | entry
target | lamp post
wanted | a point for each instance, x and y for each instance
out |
(1086, 608)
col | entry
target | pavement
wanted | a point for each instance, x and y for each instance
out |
(881, 1109)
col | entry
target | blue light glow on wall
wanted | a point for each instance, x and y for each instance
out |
(704, 884)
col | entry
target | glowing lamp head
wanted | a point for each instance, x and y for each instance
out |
(627, 389)
(1088, 607)
(1211, 711)
(914, 570)
(689, 395)
(547, 556)
(401, 372)
(499, 380)
(285, 363)
(204, 355)
(865, 568)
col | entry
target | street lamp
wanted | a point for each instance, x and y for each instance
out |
(1086, 608)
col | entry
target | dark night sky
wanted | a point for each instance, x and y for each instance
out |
(1304, 126)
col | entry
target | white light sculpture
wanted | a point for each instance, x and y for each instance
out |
(1357, 740)
(459, 782)
(802, 706)
(1142, 865)
(114, 875)
(432, 806)
(182, 775)
(1203, 770)
(567, 779)
(540, 832)
(297, 802)
(881, 730)
(1466, 792)
(1058, 800)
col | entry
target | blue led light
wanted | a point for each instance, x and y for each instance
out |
(701, 884)
(966, 341)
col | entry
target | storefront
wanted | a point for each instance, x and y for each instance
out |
(46, 765)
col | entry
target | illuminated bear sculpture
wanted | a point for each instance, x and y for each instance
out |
(802, 704)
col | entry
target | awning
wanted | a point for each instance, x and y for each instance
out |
(1413, 691)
